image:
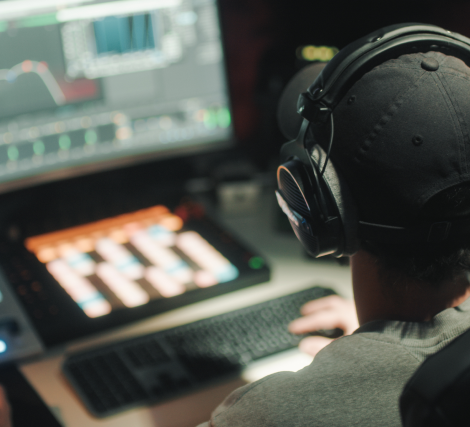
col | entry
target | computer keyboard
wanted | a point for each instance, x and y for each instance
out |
(165, 364)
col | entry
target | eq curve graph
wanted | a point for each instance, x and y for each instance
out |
(39, 68)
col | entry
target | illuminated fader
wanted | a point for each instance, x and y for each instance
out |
(128, 260)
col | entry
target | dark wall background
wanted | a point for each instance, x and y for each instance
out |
(262, 36)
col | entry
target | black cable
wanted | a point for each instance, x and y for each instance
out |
(330, 145)
(320, 200)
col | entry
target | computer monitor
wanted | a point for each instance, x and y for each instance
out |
(88, 85)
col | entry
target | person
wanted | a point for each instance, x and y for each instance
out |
(402, 144)
(325, 313)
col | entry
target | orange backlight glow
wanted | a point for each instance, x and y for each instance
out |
(128, 260)
(45, 245)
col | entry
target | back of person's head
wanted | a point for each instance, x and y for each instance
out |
(403, 147)
(400, 158)
(436, 264)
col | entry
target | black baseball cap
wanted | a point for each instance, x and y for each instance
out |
(402, 135)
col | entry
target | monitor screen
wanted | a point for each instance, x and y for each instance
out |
(88, 85)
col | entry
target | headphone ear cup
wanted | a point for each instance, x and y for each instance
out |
(293, 198)
(344, 201)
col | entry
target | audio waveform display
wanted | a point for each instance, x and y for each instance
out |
(42, 70)
(122, 44)
(124, 34)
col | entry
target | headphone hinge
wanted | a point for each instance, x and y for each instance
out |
(312, 110)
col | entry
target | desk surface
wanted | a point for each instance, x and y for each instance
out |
(291, 271)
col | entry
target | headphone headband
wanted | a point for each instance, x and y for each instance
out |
(361, 56)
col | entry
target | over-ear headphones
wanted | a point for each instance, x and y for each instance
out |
(311, 191)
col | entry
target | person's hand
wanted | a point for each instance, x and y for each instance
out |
(5, 419)
(324, 313)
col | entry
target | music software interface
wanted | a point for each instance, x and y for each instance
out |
(90, 82)
(128, 260)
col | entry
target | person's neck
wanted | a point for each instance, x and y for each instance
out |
(410, 301)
